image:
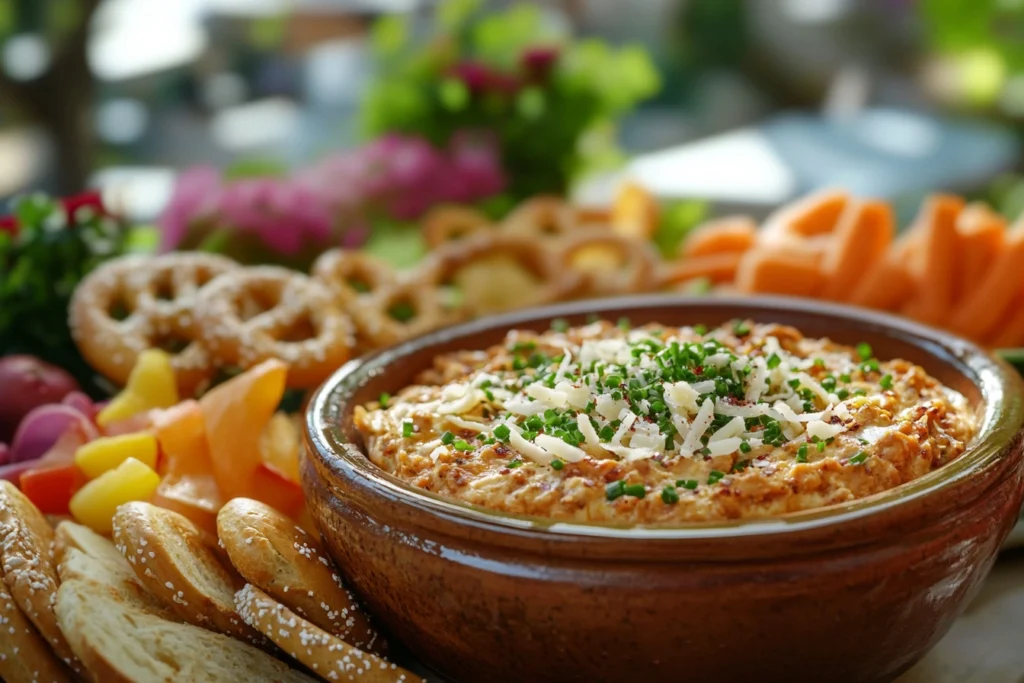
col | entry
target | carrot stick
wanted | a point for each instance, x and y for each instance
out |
(780, 270)
(887, 283)
(988, 303)
(727, 234)
(715, 267)
(815, 214)
(931, 265)
(982, 233)
(864, 233)
(1010, 335)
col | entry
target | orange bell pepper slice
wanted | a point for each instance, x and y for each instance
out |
(188, 485)
(235, 414)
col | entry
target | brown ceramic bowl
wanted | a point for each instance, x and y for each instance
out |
(854, 592)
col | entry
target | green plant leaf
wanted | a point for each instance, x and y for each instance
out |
(452, 15)
(454, 94)
(389, 35)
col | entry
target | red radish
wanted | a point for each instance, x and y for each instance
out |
(26, 383)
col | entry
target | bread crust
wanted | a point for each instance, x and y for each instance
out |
(327, 656)
(277, 556)
(24, 655)
(28, 567)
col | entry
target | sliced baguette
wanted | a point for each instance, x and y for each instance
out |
(170, 557)
(284, 561)
(118, 643)
(327, 656)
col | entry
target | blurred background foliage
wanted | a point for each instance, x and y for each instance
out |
(123, 94)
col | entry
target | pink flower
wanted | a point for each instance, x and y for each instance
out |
(196, 195)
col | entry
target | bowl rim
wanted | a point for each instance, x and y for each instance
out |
(1000, 421)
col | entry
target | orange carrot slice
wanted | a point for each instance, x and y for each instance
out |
(888, 283)
(715, 267)
(780, 270)
(1010, 335)
(932, 264)
(982, 234)
(724, 235)
(864, 233)
(988, 303)
(815, 214)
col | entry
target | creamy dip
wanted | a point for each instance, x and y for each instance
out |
(660, 425)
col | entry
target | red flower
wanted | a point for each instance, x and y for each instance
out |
(91, 199)
(480, 78)
(537, 62)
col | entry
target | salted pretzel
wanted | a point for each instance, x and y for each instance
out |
(352, 274)
(271, 552)
(499, 272)
(450, 223)
(329, 657)
(610, 263)
(406, 309)
(133, 303)
(265, 312)
(541, 216)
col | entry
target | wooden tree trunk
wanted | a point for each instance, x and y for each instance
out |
(60, 100)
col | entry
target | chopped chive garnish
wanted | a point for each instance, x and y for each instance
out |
(557, 464)
(744, 447)
(502, 432)
(461, 445)
(885, 382)
(821, 446)
(669, 496)
(774, 361)
(864, 351)
(845, 378)
(819, 362)
(614, 490)
(801, 453)
(407, 429)
(383, 400)
(623, 324)
(559, 325)
(741, 328)
(700, 329)
(515, 463)
(690, 484)
(715, 476)
(859, 458)
(447, 438)
(843, 394)
(635, 490)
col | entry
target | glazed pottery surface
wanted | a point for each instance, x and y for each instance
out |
(855, 592)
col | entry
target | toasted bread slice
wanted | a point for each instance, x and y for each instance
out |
(67, 535)
(118, 576)
(284, 561)
(170, 557)
(24, 655)
(120, 643)
(329, 657)
(28, 568)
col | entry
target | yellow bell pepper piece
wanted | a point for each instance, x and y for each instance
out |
(151, 384)
(95, 503)
(106, 453)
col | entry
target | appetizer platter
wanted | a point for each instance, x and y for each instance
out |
(169, 523)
